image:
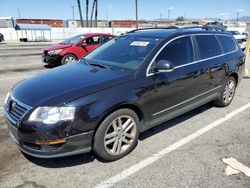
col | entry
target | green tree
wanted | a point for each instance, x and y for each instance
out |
(180, 18)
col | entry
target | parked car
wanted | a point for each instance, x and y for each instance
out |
(215, 26)
(74, 48)
(240, 38)
(1, 37)
(245, 33)
(126, 86)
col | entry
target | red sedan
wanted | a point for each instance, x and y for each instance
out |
(74, 48)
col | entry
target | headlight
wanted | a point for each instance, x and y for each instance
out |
(50, 115)
(55, 52)
(6, 98)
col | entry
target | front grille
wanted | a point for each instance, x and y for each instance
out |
(16, 110)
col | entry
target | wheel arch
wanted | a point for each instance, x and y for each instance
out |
(70, 54)
(235, 76)
(132, 107)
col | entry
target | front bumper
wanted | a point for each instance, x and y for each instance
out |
(26, 135)
(55, 59)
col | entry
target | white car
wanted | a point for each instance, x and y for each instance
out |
(240, 38)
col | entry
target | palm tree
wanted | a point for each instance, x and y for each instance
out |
(80, 11)
(87, 13)
(96, 10)
(92, 11)
(94, 6)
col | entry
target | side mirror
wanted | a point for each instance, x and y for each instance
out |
(164, 66)
(83, 44)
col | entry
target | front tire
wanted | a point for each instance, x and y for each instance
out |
(68, 59)
(117, 135)
(227, 93)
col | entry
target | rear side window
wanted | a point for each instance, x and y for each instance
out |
(227, 43)
(106, 39)
(208, 45)
(179, 51)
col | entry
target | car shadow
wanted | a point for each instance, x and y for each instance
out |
(170, 123)
(80, 159)
(62, 162)
(50, 66)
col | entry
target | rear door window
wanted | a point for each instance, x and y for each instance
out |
(178, 52)
(227, 43)
(106, 38)
(208, 46)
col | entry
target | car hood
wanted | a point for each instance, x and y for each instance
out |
(57, 46)
(237, 37)
(66, 83)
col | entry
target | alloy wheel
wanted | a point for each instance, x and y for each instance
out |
(120, 135)
(69, 59)
(229, 91)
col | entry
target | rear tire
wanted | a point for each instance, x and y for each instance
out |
(227, 93)
(117, 135)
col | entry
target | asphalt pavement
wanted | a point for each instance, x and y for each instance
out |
(184, 152)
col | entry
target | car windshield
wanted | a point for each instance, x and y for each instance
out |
(234, 32)
(124, 52)
(73, 39)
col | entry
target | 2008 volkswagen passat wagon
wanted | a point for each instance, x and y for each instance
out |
(128, 85)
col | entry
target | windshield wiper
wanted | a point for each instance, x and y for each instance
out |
(100, 65)
(97, 64)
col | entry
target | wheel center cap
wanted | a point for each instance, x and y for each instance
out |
(119, 135)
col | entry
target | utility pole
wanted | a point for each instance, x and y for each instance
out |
(107, 16)
(238, 13)
(18, 10)
(87, 13)
(73, 12)
(136, 13)
(80, 12)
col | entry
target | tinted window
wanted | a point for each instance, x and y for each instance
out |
(208, 46)
(227, 43)
(234, 32)
(106, 38)
(92, 40)
(179, 51)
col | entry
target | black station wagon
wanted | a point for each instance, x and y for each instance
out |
(124, 87)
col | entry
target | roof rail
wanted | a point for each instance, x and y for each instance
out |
(178, 28)
(148, 28)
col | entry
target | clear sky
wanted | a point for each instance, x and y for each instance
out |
(125, 9)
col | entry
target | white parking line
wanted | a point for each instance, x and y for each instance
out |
(155, 157)
(237, 165)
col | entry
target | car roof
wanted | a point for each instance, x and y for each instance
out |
(93, 34)
(167, 32)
